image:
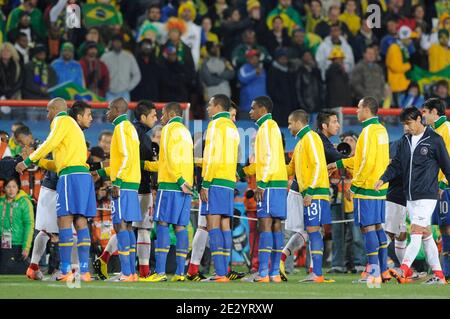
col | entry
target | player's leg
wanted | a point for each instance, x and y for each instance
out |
(123, 245)
(143, 245)
(216, 242)
(198, 248)
(382, 252)
(275, 257)
(100, 265)
(162, 245)
(400, 246)
(181, 251)
(132, 251)
(432, 255)
(265, 248)
(83, 245)
(65, 246)
(39, 247)
(445, 233)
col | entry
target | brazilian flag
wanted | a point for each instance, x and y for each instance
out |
(71, 91)
(426, 79)
(97, 14)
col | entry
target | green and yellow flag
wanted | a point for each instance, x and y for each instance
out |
(425, 79)
(97, 14)
(71, 91)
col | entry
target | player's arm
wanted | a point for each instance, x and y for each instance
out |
(124, 147)
(172, 156)
(57, 134)
(213, 144)
(266, 157)
(47, 164)
(368, 159)
(150, 166)
(290, 168)
(443, 158)
(394, 168)
(314, 164)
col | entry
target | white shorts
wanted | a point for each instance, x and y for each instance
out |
(395, 218)
(420, 211)
(46, 218)
(146, 204)
(294, 221)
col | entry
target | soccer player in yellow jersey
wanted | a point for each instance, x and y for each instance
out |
(125, 174)
(434, 115)
(271, 193)
(75, 188)
(309, 166)
(369, 163)
(175, 169)
(219, 180)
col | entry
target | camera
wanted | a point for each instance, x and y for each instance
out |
(344, 148)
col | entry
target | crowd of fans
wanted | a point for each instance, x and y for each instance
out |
(304, 53)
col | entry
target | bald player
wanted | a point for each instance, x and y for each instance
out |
(125, 174)
(75, 188)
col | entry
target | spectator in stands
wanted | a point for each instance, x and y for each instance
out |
(22, 47)
(16, 229)
(397, 63)
(24, 26)
(95, 72)
(208, 36)
(176, 27)
(154, 19)
(363, 39)
(169, 10)
(439, 53)
(177, 79)
(277, 37)
(293, 19)
(123, 70)
(257, 19)
(296, 48)
(152, 72)
(53, 42)
(38, 76)
(193, 34)
(93, 35)
(441, 92)
(37, 22)
(11, 72)
(281, 86)
(252, 78)
(309, 86)
(323, 29)
(350, 17)
(216, 13)
(216, 73)
(367, 78)
(335, 39)
(249, 43)
(232, 30)
(412, 97)
(314, 15)
(418, 13)
(392, 36)
(429, 39)
(104, 141)
(337, 81)
(66, 68)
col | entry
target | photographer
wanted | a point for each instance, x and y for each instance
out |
(350, 251)
(32, 178)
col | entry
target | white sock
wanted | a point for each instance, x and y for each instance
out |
(412, 250)
(432, 253)
(75, 260)
(111, 247)
(400, 249)
(294, 243)
(143, 246)
(40, 243)
(199, 245)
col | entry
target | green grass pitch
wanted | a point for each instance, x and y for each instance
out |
(20, 287)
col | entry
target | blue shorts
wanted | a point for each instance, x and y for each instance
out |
(126, 207)
(220, 202)
(440, 215)
(76, 195)
(173, 207)
(368, 212)
(317, 214)
(273, 204)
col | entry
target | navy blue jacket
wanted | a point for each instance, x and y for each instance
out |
(419, 170)
(146, 154)
(395, 193)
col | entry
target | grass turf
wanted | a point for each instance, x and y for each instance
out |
(20, 287)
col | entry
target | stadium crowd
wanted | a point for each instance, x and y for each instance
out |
(308, 54)
(313, 55)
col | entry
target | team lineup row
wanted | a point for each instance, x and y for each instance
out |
(422, 155)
